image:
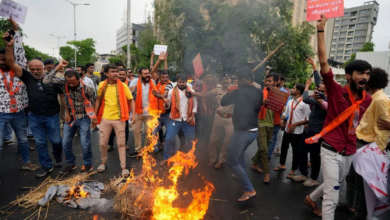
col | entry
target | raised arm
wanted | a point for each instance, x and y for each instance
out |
(9, 56)
(151, 60)
(51, 77)
(321, 44)
(162, 57)
(19, 52)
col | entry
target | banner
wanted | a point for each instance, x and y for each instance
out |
(277, 100)
(198, 66)
(330, 8)
(17, 11)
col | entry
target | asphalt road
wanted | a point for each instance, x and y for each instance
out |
(282, 199)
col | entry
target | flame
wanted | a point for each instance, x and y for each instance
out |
(77, 191)
(163, 208)
(95, 217)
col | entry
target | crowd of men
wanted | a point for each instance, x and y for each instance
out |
(329, 125)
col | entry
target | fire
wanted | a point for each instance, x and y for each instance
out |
(77, 191)
(163, 208)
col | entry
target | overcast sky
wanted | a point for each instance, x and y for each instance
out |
(102, 18)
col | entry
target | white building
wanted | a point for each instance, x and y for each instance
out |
(121, 35)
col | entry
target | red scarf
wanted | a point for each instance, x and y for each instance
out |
(12, 93)
(175, 108)
(161, 89)
(87, 104)
(350, 113)
(153, 102)
(121, 99)
(263, 110)
(292, 112)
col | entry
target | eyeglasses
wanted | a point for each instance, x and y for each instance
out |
(39, 84)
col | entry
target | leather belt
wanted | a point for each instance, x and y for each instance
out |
(328, 147)
(224, 115)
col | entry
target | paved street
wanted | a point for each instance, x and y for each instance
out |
(282, 199)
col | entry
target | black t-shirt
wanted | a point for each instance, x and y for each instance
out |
(42, 99)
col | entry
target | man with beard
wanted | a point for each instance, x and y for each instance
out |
(122, 77)
(267, 120)
(79, 99)
(145, 101)
(163, 87)
(298, 113)
(247, 100)
(316, 122)
(49, 65)
(346, 106)
(368, 132)
(14, 99)
(112, 105)
(82, 70)
(182, 117)
(222, 121)
(43, 109)
(93, 77)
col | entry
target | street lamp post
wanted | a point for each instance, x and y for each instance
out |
(58, 42)
(74, 12)
(53, 50)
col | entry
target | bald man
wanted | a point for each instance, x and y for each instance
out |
(43, 110)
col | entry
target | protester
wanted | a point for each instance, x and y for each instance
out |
(267, 120)
(43, 107)
(223, 125)
(82, 71)
(14, 99)
(113, 110)
(316, 122)
(298, 113)
(79, 99)
(366, 133)
(89, 74)
(276, 140)
(183, 110)
(346, 106)
(247, 100)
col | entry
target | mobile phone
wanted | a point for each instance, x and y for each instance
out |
(322, 95)
(10, 32)
(311, 75)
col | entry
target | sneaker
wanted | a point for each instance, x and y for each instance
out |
(300, 178)
(30, 166)
(43, 171)
(135, 154)
(86, 169)
(7, 142)
(110, 148)
(68, 169)
(30, 137)
(310, 183)
(58, 161)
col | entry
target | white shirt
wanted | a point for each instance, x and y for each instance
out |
(301, 113)
(145, 94)
(87, 81)
(175, 83)
(183, 104)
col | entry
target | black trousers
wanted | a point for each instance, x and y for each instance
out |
(294, 140)
(315, 157)
(203, 125)
(112, 135)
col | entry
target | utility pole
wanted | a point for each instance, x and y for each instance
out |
(58, 43)
(128, 33)
(53, 50)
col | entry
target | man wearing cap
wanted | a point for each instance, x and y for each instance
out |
(222, 121)
(95, 79)
(49, 65)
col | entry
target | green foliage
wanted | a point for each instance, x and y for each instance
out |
(229, 37)
(367, 47)
(85, 51)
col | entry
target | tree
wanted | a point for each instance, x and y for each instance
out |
(229, 37)
(367, 47)
(85, 50)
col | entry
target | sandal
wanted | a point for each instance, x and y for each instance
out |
(127, 148)
(164, 163)
(256, 168)
(101, 168)
(244, 197)
(125, 173)
(290, 175)
(279, 169)
(267, 182)
(234, 177)
(315, 209)
(30, 166)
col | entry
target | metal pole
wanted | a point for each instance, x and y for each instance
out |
(75, 52)
(128, 33)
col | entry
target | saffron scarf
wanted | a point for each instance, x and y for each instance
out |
(8, 88)
(161, 89)
(121, 99)
(153, 102)
(87, 104)
(350, 113)
(175, 109)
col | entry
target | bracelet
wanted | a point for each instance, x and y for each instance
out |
(320, 31)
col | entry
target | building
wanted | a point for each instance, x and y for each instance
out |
(353, 30)
(104, 59)
(121, 35)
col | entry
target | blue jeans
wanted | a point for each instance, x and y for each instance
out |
(173, 129)
(8, 132)
(44, 127)
(272, 143)
(238, 144)
(84, 126)
(163, 121)
(18, 123)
